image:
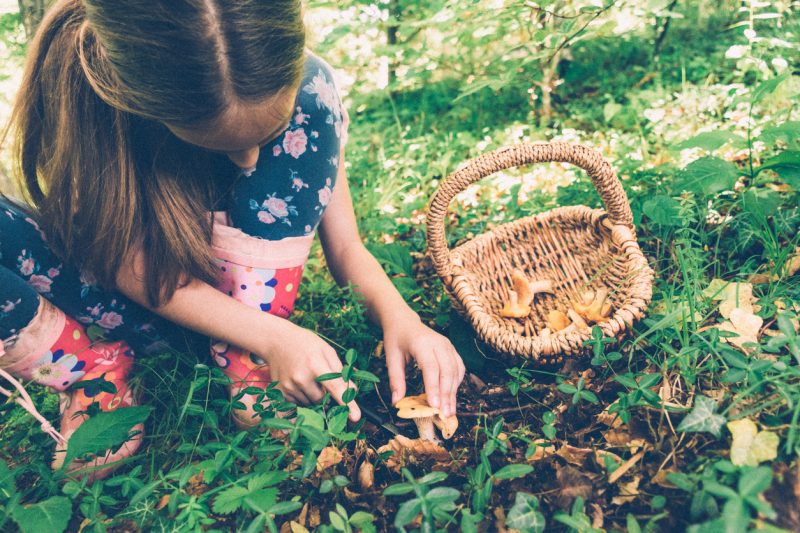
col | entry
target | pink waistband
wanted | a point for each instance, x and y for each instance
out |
(234, 245)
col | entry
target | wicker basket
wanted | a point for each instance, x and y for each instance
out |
(577, 247)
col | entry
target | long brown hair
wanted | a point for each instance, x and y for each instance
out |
(104, 174)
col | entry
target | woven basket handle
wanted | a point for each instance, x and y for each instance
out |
(603, 176)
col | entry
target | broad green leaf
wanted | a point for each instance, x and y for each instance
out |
(284, 507)
(513, 471)
(524, 514)
(662, 210)
(230, 500)
(712, 140)
(787, 165)
(788, 132)
(751, 446)
(708, 175)
(7, 476)
(760, 203)
(396, 256)
(441, 495)
(105, 430)
(51, 516)
(754, 481)
(311, 418)
(768, 87)
(361, 518)
(703, 417)
(336, 521)
(398, 490)
(407, 512)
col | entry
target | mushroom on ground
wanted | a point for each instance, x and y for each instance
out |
(593, 305)
(425, 417)
(417, 409)
(447, 426)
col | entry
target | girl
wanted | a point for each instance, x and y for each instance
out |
(179, 156)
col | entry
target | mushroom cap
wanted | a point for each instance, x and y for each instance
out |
(513, 308)
(447, 426)
(557, 320)
(593, 306)
(415, 407)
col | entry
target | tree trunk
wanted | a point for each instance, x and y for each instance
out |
(32, 12)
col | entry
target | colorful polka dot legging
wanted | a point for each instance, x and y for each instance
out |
(261, 239)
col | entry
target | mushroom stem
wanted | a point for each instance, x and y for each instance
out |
(425, 428)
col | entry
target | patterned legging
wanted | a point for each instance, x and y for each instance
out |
(285, 196)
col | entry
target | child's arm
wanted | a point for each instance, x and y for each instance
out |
(405, 336)
(296, 355)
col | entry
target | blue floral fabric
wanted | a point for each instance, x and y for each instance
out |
(293, 181)
(285, 196)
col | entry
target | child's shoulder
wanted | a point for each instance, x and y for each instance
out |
(319, 96)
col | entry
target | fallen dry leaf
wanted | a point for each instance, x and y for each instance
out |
(731, 296)
(611, 420)
(627, 492)
(622, 438)
(328, 457)
(411, 451)
(571, 484)
(745, 324)
(790, 268)
(600, 456)
(543, 450)
(366, 475)
(573, 455)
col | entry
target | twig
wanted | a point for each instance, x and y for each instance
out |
(495, 412)
(578, 32)
(624, 467)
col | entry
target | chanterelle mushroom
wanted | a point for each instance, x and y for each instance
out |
(425, 417)
(521, 297)
(593, 305)
(557, 320)
(417, 409)
(514, 308)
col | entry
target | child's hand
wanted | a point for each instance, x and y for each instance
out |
(297, 357)
(442, 367)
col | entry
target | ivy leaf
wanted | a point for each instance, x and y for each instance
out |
(524, 514)
(311, 418)
(703, 417)
(105, 430)
(51, 515)
(708, 175)
(751, 446)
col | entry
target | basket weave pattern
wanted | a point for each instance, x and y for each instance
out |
(577, 247)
